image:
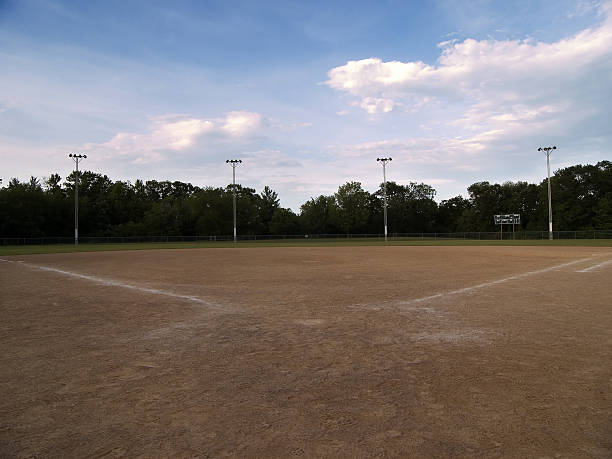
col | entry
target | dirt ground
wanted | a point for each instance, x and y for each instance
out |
(274, 352)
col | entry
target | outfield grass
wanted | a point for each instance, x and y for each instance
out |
(66, 248)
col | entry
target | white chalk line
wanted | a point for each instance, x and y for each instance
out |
(594, 267)
(495, 282)
(115, 283)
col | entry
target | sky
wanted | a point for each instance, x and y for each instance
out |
(306, 94)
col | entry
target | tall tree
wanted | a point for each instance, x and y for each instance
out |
(487, 201)
(284, 221)
(581, 196)
(269, 203)
(411, 207)
(577, 192)
(22, 207)
(353, 207)
(452, 215)
(320, 215)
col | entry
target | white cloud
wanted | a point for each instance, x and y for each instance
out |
(452, 153)
(370, 76)
(377, 105)
(508, 74)
(582, 8)
(239, 123)
(478, 112)
(486, 105)
(444, 44)
(180, 134)
(174, 133)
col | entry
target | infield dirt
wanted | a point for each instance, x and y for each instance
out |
(272, 352)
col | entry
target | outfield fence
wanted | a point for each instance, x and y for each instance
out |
(472, 235)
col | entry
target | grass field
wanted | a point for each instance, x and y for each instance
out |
(67, 248)
(341, 351)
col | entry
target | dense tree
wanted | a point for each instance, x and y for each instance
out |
(284, 221)
(581, 198)
(269, 204)
(22, 206)
(212, 210)
(353, 207)
(320, 215)
(411, 208)
(580, 194)
(452, 214)
(524, 199)
(486, 200)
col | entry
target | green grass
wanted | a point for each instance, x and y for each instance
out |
(67, 248)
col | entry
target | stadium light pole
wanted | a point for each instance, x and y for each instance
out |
(76, 158)
(548, 151)
(234, 163)
(384, 165)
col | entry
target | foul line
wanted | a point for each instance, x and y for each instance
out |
(591, 268)
(495, 282)
(114, 283)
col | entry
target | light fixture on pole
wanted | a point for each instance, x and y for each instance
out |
(548, 151)
(76, 158)
(384, 165)
(234, 163)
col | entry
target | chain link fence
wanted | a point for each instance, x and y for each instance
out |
(473, 235)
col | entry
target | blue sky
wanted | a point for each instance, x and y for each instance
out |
(307, 94)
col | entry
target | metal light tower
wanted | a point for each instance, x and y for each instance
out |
(76, 158)
(548, 151)
(384, 165)
(234, 163)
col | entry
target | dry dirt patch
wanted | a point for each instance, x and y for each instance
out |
(308, 351)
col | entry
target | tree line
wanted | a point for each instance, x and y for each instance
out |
(582, 200)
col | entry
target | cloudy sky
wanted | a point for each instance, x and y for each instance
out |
(307, 94)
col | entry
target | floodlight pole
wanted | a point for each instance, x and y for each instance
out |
(384, 165)
(76, 158)
(548, 151)
(234, 163)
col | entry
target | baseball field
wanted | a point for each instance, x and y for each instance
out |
(414, 351)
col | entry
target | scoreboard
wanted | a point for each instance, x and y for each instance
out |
(508, 219)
